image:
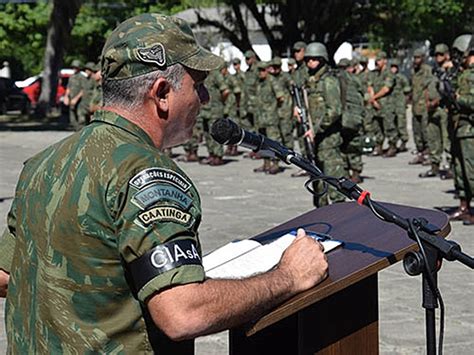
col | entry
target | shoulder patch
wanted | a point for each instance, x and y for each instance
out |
(164, 214)
(151, 175)
(161, 192)
(154, 54)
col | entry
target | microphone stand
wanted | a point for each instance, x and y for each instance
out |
(426, 261)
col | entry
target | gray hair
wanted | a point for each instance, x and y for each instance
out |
(131, 93)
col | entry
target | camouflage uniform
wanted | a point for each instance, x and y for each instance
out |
(268, 94)
(86, 201)
(365, 78)
(400, 91)
(75, 85)
(88, 87)
(299, 78)
(248, 103)
(216, 85)
(285, 107)
(384, 119)
(464, 135)
(96, 98)
(325, 106)
(424, 88)
(353, 114)
(91, 211)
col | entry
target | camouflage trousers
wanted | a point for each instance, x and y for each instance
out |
(330, 161)
(463, 159)
(401, 122)
(285, 127)
(384, 127)
(192, 145)
(212, 146)
(351, 151)
(434, 136)
(446, 132)
(420, 124)
(272, 132)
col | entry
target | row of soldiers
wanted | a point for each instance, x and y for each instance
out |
(83, 95)
(349, 104)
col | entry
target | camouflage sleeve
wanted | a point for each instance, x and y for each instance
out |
(433, 93)
(389, 81)
(332, 100)
(222, 83)
(278, 89)
(466, 91)
(406, 88)
(157, 216)
(236, 89)
(7, 240)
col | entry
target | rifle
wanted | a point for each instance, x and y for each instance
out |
(306, 124)
(445, 88)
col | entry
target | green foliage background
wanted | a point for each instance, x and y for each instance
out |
(389, 23)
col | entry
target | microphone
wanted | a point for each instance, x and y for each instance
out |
(226, 131)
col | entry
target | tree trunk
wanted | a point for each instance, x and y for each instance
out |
(60, 25)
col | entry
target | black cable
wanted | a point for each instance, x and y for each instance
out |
(431, 284)
(308, 187)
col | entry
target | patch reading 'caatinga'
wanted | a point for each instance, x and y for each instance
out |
(164, 214)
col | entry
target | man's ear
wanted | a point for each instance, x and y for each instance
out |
(159, 93)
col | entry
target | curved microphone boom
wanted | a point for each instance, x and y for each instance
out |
(226, 131)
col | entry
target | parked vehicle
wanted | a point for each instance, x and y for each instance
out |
(12, 98)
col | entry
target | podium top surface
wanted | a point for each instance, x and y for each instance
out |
(370, 245)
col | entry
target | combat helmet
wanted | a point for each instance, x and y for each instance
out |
(316, 49)
(461, 43)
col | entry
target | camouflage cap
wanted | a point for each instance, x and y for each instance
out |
(236, 61)
(419, 52)
(150, 42)
(381, 55)
(76, 63)
(354, 62)
(344, 63)
(90, 66)
(291, 61)
(249, 54)
(441, 48)
(394, 62)
(276, 61)
(299, 45)
(363, 60)
(263, 65)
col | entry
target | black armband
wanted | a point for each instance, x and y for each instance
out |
(162, 258)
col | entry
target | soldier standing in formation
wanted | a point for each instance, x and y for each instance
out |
(399, 96)
(74, 93)
(353, 114)
(463, 118)
(380, 88)
(96, 97)
(230, 106)
(445, 72)
(285, 107)
(218, 93)
(365, 77)
(324, 98)
(270, 95)
(88, 85)
(424, 94)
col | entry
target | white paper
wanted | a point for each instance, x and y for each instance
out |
(245, 258)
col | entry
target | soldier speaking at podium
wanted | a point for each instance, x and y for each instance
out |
(102, 245)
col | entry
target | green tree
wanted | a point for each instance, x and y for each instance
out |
(23, 36)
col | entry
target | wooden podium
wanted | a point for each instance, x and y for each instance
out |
(340, 315)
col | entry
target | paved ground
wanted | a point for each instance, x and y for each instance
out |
(238, 203)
